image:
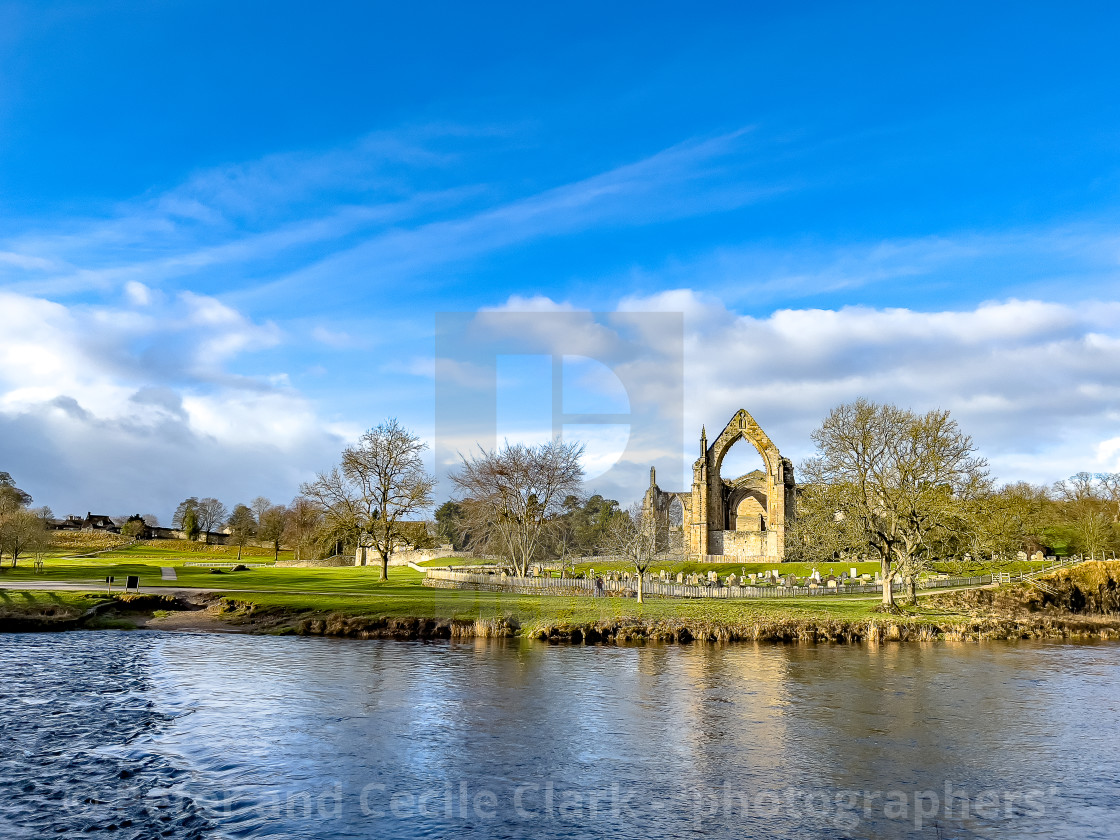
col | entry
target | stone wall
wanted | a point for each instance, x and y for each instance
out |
(365, 556)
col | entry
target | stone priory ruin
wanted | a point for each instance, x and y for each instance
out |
(736, 519)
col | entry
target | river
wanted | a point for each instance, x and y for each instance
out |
(146, 734)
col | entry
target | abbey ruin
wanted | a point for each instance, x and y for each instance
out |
(733, 518)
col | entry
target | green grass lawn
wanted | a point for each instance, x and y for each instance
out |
(404, 599)
(24, 601)
(93, 571)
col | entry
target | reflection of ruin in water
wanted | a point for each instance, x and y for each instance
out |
(743, 518)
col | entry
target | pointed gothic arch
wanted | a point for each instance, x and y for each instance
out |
(741, 518)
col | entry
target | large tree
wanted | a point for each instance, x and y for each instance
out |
(186, 517)
(821, 533)
(900, 477)
(22, 531)
(211, 514)
(10, 494)
(302, 521)
(242, 526)
(512, 497)
(380, 483)
(271, 520)
(1004, 521)
(1088, 509)
(449, 525)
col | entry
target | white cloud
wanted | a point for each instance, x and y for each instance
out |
(1036, 383)
(110, 408)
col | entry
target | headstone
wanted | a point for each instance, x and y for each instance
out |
(853, 572)
(831, 583)
(713, 577)
(1022, 555)
(664, 576)
(732, 579)
(753, 577)
(680, 577)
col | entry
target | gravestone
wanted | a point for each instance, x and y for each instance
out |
(680, 577)
(732, 580)
(713, 577)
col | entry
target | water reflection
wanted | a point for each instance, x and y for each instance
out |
(325, 738)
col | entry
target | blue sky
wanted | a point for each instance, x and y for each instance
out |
(226, 229)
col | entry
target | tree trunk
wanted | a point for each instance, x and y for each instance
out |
(641, 580)
(912, 585)
(384, 566)
(885, 572)
(275, 551)
(239, 553)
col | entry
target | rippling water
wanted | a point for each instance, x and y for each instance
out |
(143, 735)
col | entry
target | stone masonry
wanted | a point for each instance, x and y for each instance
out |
(738, 519)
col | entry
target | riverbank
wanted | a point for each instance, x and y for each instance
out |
(1081, 603)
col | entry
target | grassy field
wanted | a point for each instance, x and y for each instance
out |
(79, 544)
(408, 599)
(352, 602)
(25, 600)
(120, 564)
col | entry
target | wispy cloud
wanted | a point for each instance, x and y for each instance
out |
(971, 265)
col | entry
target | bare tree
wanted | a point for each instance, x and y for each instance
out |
(379, 483)
(301, 525)
(1089, 504)
(21, 531)
(259, 505)
(242, 526)
(512, 497)
(1109, 488)
(1005, 521)
(899, 476)
(270, 527)
(639, 536)
(211, 513)
(185, 506)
